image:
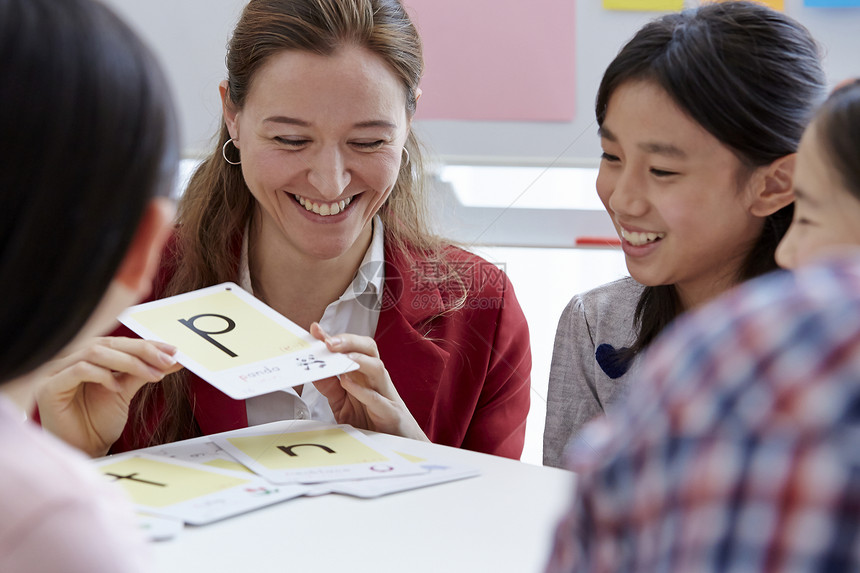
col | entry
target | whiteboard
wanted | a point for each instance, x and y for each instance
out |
(190, 36)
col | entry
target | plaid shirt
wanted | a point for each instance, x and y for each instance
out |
(739, 446)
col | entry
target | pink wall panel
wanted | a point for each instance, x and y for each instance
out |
(497, 60)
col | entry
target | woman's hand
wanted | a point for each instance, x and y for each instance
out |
(365, 398)
(85, 398)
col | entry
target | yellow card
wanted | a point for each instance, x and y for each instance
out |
(235, 342)
(220, 330)
(775, 4)
(644, 5)
(227, 465)
(189, 491)
(412, 458)
(154, 483)
(281, 454)
(307, 449)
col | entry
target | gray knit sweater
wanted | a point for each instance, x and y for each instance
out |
(585, 375)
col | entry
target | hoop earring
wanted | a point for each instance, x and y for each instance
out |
(406, 151)
(224, 152)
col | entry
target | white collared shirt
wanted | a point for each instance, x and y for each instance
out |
(355, 312)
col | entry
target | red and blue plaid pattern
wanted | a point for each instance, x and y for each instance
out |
(739, 446)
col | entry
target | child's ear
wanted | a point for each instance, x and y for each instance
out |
(140, 263)
(775, 189)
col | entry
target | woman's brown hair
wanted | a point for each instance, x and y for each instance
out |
(217, 204)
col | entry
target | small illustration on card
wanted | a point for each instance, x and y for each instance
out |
(437, 472)
(235, 342)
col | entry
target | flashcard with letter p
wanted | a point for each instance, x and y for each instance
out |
(235, 342)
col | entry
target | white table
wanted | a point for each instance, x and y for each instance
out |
(502, 520)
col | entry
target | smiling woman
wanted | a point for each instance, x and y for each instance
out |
(320, 158)
(700, 115)
(313, 199)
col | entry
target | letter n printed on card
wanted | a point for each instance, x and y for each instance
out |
(235, 342)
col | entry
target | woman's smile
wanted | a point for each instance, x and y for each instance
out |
(325, 209)
(321, 140)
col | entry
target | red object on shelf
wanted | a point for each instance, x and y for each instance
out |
(598, 242)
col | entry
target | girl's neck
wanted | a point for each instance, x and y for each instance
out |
(296, 285)
(694, 295)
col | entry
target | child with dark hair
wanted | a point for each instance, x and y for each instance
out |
(827, 182)
(699, 118)
(91, 157)
(737, 447)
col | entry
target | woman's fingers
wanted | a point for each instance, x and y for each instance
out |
(86, 394)
(365, 394)
(384, 414)
(375, 374)
(71, 377)
(119, 364)
(345, 342)
(318, 332)
(369, 392)
(159, 356)
(330, 388)
(351, 343)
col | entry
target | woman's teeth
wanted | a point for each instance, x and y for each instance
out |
(323, 208)
(639, 239)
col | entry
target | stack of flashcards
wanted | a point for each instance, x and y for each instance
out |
(235, 342)
(210, 478)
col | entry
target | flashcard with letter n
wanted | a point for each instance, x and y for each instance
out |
(284, 455)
